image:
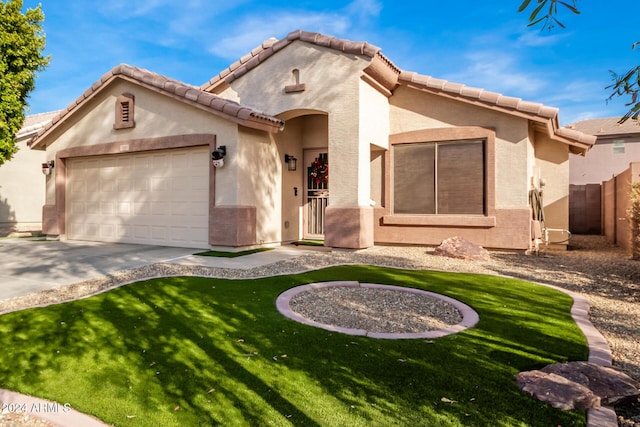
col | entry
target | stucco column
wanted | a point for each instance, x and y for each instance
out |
(349, 217)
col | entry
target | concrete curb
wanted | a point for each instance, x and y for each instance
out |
(599, 353)
(58, 414)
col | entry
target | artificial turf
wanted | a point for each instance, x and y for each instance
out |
(224, 254)
(187, 351)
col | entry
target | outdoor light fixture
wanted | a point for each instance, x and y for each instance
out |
(47, 167)
(291, 162)
(217, 156)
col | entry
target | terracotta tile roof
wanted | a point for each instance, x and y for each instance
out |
(608, 126)
(34, 123)
(178, 90)
(389, 76)
(477, 95)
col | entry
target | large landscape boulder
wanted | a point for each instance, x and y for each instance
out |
(557, 391)
(578, 385)
(458, 247)
(612, 386)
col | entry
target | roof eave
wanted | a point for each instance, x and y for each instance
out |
(544, 117)
(177, 90)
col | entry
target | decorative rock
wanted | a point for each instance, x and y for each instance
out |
(612, 386)
(557, 391)
(579, 385)
(458, 247)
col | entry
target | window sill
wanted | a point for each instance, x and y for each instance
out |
(441, 220)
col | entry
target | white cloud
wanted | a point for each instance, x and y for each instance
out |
(364, 9)
(255, 29)
(537, 39)
(579, 91)
(498, 72)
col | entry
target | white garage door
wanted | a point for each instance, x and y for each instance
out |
(159, 198)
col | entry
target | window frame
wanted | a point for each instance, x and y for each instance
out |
(441, 135)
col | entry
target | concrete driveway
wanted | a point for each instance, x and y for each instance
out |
(28, 265)
(32, 265)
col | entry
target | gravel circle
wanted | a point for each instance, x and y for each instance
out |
(375, 310)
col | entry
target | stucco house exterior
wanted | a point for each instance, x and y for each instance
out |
(600, 181)
(616, 146)
(22, 182)
(320, 138)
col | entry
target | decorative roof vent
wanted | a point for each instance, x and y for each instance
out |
(125, 108)
(296, 86)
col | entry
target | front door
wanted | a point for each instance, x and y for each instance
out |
(316, 192)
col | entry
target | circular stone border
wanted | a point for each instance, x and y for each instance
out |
(469, 316)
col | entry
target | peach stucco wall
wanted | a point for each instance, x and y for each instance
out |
(413, 110)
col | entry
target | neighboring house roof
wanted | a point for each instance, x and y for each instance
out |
(607, 127)
(389, 77)
(173, 88)
(34, 123)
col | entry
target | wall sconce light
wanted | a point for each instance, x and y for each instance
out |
(217, 157)
(291, 162)
(48, 167)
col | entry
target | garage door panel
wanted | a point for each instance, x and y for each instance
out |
(108, 231)
(150, 198)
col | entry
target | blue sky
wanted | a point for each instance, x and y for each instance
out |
(478, 43)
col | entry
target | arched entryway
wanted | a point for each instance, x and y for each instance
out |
(305, 190)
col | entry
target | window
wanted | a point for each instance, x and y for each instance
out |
(124, 112)
(618, 146)
(440, 178)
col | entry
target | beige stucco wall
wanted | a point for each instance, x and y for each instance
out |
(259, 181)
(337, 92)
(301, 133)
(412, 110)
(552, 162)
(22, 191)
(374, 131)
(156, 115)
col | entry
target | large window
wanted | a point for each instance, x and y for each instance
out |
(439, 178)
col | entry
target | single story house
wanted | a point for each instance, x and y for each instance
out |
(307, 137)
(21, 210)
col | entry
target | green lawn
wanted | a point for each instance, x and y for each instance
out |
(195, 352)
(224, 254)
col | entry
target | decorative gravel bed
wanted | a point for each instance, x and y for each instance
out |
(594, 268)
(375, 310)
